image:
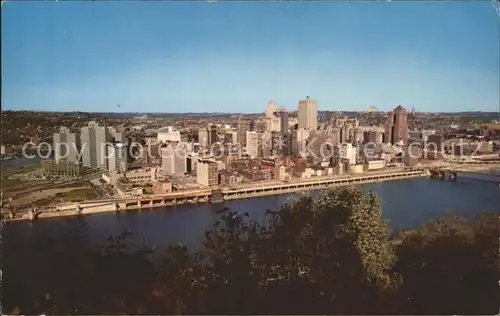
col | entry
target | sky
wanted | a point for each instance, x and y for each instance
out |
(158, 56)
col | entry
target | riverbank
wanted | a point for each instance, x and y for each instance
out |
(145, 202)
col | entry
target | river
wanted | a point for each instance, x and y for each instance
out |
(23, 161)
(405, 204)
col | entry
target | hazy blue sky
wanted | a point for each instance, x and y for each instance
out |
(235, 57)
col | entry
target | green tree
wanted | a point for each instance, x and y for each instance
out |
(450, 266)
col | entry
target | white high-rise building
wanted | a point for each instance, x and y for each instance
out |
(117, 157)
(174, 159)
(94, 139)
(252, 144)
(347, 152)
(65, 146)
(203, 137)
(308, 114)
(207, 173)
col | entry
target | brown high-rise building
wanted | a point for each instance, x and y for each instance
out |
(396, 129)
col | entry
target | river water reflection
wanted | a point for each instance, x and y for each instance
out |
(405, 203)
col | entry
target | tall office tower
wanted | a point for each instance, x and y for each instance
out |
(116, 134)
(335, 135)
(88, 144)
(117, 157)
(252, 144)
(260, 125)
(308, 114)
(397, 126)
(345, 133)
(283, 115)
(271, 108)
(102, 135)
(280, 144)
(174, 159)
(265, 144)
(203, 137)
(242, 126)
(65, 146)
(93, 142)
(299, 141)
(207, 173)
(212, 134)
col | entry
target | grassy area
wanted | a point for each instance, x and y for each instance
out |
(77, 195)
(20, 169)
(11, 185)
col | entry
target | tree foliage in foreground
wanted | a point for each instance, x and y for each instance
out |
(330, 254)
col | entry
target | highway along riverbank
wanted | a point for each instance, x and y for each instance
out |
(207, 196)
(406, 204)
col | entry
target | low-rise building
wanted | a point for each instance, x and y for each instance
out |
(357, 169)
(375, 165)
(126, 188)
(231, 178)
(162, 186)
(141, 175)
(62, 169)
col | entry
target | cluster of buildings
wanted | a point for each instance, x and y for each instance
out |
(278, 146)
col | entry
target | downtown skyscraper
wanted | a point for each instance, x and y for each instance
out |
(308, 114)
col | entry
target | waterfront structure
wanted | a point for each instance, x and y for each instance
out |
(281, 173)
(207, 173)
(397, 126)
(308, 114)
(65, 146)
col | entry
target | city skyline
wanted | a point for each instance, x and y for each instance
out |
(233, 57)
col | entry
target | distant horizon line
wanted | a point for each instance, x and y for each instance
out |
(242, 113)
